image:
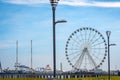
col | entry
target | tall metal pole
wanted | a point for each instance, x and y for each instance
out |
(54, 41)
(31, 54)
(108, 38)
(54, 4)
(16, 56)
(108, 59)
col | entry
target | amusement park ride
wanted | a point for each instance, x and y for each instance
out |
(86, 48)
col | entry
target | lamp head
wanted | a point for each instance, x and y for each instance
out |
(54, 2)
(108, 33)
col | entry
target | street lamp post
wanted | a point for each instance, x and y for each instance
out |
(54, 4)
(108, 37)
(108, 40)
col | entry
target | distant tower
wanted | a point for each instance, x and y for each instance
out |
(61, 67)
(16, 64)
(31, 54)
(0, 67)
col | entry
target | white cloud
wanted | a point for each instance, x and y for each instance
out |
(67, 2)
(27, 2)
(95, 3)
(107, 4)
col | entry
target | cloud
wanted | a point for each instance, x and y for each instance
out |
(25, 2)
(93, 3)
(114, 4)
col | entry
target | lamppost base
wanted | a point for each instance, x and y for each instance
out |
(54, 79)
(51, 79)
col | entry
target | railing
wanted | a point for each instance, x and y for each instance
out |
(46, 76)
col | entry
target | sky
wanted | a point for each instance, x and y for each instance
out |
(26, 20)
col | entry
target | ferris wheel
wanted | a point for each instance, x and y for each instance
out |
(86, 48)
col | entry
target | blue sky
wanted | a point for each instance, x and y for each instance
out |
(26, 20)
